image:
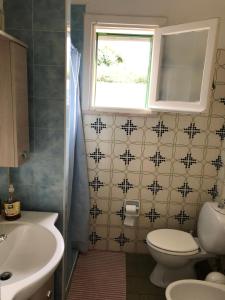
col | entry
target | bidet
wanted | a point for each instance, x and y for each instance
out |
(191, 289)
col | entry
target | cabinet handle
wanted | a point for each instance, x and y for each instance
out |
(49, 294)
(24, 154)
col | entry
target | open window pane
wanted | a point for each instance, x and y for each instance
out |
(182, 64)
(183, 56)
(122, 70)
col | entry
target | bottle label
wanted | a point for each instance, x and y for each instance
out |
(12, 209)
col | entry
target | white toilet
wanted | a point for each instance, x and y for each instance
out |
(176, 251)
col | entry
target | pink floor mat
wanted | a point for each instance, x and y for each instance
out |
(99, 275)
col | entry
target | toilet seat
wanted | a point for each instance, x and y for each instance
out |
(171, 241)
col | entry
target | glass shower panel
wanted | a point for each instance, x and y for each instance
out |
(182, 64)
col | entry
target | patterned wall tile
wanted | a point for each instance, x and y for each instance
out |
(218, 107)
(99, 155)
(102, 204)
(182, 138)
(128, 130)
(150, 137)
(219, 92)
(98, 237)
(216, 125)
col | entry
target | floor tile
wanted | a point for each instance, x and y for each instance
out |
(139, 287)
(132, 297)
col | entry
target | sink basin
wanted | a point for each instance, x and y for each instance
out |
(191, 289)
(30, 253)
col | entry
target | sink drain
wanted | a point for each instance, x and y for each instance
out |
(5, 275)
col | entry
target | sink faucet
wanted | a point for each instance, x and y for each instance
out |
(3, 237)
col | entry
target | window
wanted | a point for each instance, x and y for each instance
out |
(123, 64)
(133, 64)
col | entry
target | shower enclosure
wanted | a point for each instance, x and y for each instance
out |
(76, 190)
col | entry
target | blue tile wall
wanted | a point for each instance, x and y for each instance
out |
(49, 15)
(77, 26)
(49, 48)
(18, 14)
(39, 182)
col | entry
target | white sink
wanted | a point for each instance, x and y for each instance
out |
(191, 289)
(31, 252)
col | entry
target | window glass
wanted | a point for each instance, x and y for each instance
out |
(123, 65)
(182, 64)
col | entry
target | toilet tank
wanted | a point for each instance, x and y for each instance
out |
(211, 228)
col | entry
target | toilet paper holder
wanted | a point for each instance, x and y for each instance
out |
(132, 202)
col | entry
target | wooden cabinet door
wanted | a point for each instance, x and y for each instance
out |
(7, 145)
(45, 292)
(20, 101)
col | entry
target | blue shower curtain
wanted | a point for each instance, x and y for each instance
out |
(79, 205)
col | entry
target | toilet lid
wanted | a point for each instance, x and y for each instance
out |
(172, 240)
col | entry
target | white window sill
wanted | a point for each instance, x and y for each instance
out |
(119, 111)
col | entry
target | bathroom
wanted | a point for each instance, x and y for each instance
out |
(168, 162)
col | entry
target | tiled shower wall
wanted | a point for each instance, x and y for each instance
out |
(170, 162)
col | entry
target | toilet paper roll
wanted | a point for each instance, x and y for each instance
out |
(131, 209)
(129, 221)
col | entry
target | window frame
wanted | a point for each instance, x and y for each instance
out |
(89, 54)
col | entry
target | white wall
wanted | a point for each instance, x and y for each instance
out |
(177, 11)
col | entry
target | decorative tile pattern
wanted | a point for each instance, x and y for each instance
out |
(96, 184)
(188, 161)
(217, 162)
(221, 132)
(191, 130)
(97, 155)
(95, 211)
(213, 192)
(160, 128)
(98, 125)
(125, 185)
(94, 237)
(222, 100)
(185, 189)
(121, 213)
(127, 157)
(182, 217)
(152, 215)
(122, 240)
(154, 187)
(129, 127)
(157, 158)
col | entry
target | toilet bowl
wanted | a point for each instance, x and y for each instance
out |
(195, 290)
(176, 251)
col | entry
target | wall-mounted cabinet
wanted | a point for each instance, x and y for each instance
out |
(14, 131)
